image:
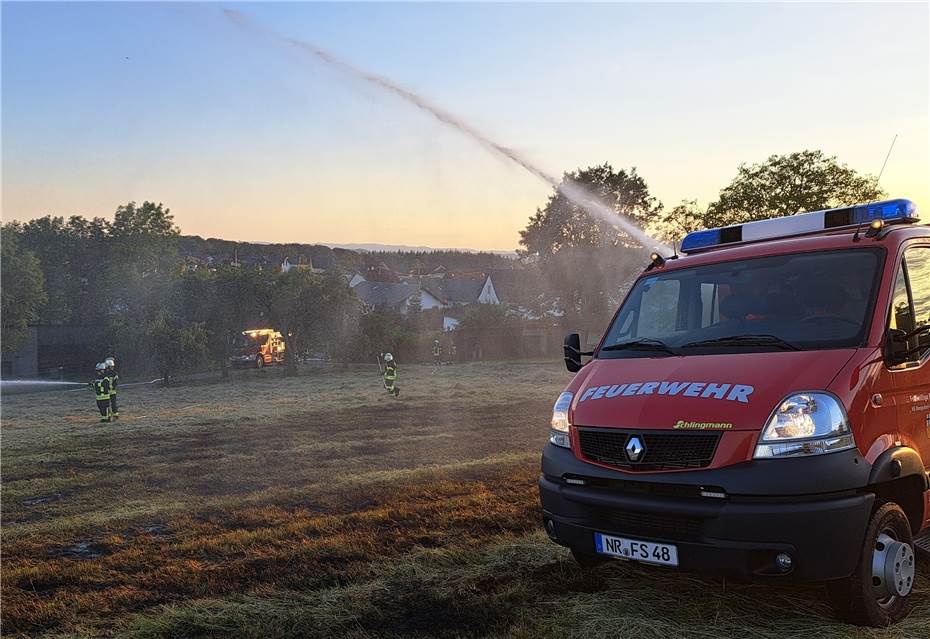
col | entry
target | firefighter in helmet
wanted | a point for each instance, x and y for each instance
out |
(114, 381)
(390, 375)
(437, 354)
(101, 386)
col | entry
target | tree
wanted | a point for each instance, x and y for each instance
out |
(22, 293)
(380, 330)
(678, 222)
(242, 300)
(584, 262)
(175, 346)
(293, 299)
(787, 184)
(488, 330)
(74, 263)
(144, 238)
(563, 224)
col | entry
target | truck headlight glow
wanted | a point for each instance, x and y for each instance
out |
(805, 424)
(559, 433)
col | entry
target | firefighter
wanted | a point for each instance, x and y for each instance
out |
(453, 353)
(390, 375)
(114, 382)
(437, 354)
(101, 386)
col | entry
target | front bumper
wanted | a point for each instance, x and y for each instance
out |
(762, 515)
(242, 360)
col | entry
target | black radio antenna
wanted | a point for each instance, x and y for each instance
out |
(877, 180)
(887, 155)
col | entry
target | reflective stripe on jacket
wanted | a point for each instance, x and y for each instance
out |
(114, 380)
(101, 387)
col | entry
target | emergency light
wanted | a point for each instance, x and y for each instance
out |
(889, 212)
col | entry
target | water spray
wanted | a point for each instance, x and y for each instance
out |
(575, 192)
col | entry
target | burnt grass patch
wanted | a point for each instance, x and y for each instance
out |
(89, 583)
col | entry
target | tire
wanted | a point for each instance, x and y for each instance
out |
(259, 361)
(854, 599)
(588, 559)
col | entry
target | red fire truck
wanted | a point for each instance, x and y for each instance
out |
(258, 348)
(760, 408)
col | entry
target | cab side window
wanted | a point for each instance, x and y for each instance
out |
(901, 317)
(917, 262)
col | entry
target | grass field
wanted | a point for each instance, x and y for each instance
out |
(319, 507)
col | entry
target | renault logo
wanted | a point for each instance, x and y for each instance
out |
(634, 449)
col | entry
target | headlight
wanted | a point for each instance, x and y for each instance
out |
(805, 424)
(559, 433)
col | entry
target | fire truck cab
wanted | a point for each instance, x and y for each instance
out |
(259, 348)
(759, 407)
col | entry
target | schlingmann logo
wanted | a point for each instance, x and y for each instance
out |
(683, 425)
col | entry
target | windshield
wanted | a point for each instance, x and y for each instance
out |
(785, 302)
(247, 340)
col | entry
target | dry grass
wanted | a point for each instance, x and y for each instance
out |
(318, 507)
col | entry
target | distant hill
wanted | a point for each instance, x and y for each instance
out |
(403, 248)
(349, 257)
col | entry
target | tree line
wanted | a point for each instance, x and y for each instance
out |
(128, 278)
(585, 265)
(127, 281)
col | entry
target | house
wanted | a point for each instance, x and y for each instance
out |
(463, 290)
(399, 296)
(381, 272)
(253, 262)
(447, 291)
(301, 263)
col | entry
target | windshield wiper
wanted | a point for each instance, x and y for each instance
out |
(745, 340)
(645, 344)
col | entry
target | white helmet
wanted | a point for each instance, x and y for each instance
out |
(388, 357)
(101, 366)
(110, 362)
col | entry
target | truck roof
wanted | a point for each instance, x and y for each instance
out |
(845, 227)
(825, 241)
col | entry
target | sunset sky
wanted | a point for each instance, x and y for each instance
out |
(247, 140)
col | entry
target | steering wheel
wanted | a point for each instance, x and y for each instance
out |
(829, 318)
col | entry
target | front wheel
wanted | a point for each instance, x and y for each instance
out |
(259, 361)
(877, 593)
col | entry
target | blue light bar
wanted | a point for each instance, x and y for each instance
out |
(700, 240)
(891, 212)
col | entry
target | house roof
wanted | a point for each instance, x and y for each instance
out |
(384, 293)
(454, 290)
(508, 283)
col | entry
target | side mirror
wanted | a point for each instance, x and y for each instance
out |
(571, 349)
(896, 347)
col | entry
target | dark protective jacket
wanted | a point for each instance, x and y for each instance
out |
(390, 371)
(101, 387)
(113, 376)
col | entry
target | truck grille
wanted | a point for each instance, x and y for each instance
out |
(664, 450)
(651, 525)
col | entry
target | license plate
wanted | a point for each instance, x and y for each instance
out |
(646, 551)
